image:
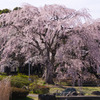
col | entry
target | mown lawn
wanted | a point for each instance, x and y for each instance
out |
(53, 88)
(60, 88)
(86, 90)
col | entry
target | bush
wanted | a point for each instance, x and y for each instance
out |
(38, 89)
(23, 76)
(18, 93)
(2, 77)
(17, 8)
(4, 11)
(96, 92)
(46, 97)
(19, 81)
(34, 78)
(90, 82)
(1, 73)
(66, 82)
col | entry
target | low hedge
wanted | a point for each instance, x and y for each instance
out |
(90, 82)
(96, 93)
(19, 81)
(38, 89)
(2, 76)
(17, 93)
(46, 97)
(33, 78)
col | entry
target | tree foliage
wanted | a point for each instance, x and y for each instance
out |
(5, 11)
(17, 8)
(53, 35)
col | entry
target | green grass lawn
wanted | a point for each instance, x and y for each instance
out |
(53, 88)
(86, 90)
(60, 88)
(32, 98)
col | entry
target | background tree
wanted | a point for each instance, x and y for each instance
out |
(17, 8)
(5, 11)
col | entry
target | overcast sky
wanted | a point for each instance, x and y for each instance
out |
(92, 5)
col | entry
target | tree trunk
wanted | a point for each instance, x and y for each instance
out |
(49, 67)
(49, 74)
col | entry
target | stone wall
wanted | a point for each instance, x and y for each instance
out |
(79, 98)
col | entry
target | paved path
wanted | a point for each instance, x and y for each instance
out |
(33, 95)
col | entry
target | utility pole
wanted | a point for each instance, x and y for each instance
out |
(29, 69)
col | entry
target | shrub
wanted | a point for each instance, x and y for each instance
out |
(19, 81)
(23, 76)
(34, 78)
(18, 93)
(1, 73)
(38, 89)
(66, 82)
(96, 92)
(46, 97)
(4, 11)
(2, 77)
(5, 89)
(90, 81)
(17, 8)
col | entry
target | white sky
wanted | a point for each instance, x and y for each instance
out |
(92, 5)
